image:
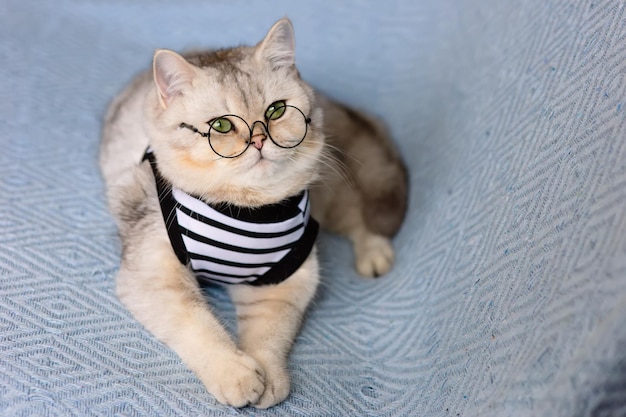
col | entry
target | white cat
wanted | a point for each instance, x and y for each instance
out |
(233, 133)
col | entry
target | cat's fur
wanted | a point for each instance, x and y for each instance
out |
(358, 189)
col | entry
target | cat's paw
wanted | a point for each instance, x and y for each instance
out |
(277, 381)
(235, 379)
(374, 255)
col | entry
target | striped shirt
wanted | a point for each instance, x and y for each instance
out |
(228, 244)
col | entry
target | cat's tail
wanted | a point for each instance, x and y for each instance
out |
(382, 179)
(375, 166)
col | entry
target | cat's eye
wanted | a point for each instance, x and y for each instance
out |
(275, 110)
(221, 125)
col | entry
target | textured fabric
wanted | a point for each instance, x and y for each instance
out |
(509, 293)
(225, 244)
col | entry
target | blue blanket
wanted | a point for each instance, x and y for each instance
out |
(509, 294)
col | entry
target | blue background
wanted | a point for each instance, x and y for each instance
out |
(509, 294)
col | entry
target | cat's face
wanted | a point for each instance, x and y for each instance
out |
(241, 82)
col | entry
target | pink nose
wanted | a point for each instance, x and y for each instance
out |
(257, 140)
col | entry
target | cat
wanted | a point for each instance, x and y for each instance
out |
(345, 161)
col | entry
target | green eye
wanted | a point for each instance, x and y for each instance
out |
(222, 125)
(275, 110)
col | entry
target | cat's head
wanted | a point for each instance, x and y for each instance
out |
(242, 84)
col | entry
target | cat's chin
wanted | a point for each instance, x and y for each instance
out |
(264, 166)
(264, 162)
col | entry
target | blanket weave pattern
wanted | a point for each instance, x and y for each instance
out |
(509, 293)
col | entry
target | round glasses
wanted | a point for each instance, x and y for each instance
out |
(230, 135)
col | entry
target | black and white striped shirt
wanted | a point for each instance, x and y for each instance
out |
(228, 244)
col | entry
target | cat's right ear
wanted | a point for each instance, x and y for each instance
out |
(172, 74)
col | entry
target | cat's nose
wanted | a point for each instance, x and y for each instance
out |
(258, 139)
(258, 136)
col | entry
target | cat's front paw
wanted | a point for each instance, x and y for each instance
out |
(374, 255)
(235, 379)
(277, 381)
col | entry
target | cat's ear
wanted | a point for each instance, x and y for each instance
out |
(172, 73)
(279, 45)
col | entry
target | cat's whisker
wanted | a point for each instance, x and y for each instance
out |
(337, 168)
(334, 164)
(340, 151)
(322, 178)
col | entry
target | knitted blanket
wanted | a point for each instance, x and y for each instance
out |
(509, 293)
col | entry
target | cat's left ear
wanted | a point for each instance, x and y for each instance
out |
(279, 46)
